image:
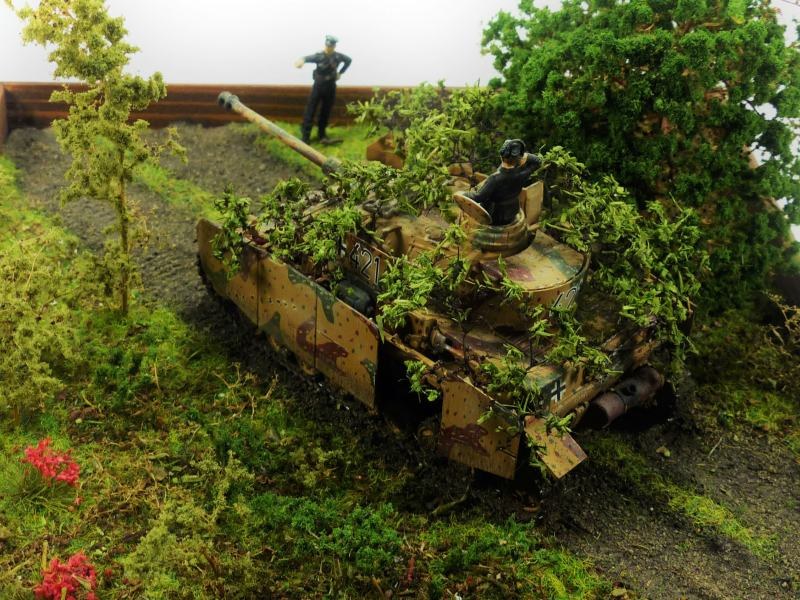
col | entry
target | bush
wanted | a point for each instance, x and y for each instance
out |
(665, 96)
(42, 283)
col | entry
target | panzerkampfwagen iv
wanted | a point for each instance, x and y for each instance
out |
(333, 329)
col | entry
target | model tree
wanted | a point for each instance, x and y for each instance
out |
(87, 44)
(670, 96)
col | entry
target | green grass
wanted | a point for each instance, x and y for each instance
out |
(747, 377)
(200, 480)
(616, 455)
(509, 552)
(355, 139)
(175, 191)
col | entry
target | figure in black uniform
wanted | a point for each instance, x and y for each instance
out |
(324, 90)
(499, 194)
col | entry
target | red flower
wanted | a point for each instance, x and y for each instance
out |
(51, 464)
(76, 576)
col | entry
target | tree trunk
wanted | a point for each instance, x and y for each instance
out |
(125, 263)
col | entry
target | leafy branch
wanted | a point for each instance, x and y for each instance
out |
(417, 371)
(227, 245)
(649, 261)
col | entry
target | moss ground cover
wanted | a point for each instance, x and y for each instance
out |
(201, 479)
(179, 192)
(747, 368)
(616, 455)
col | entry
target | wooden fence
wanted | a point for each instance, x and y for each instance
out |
(28, 104)
(3, 116)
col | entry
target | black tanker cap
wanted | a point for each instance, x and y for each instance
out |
(512, 149)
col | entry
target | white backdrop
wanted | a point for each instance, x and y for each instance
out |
(400, 42)
(403, 42)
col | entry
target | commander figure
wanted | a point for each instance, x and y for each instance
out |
(499, 193)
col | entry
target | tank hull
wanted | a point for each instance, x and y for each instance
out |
(327, 335)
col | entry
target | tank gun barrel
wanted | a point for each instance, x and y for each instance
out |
(232, 102)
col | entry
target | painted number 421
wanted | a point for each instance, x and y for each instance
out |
(362, 259)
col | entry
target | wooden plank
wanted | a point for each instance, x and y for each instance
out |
(3, 117)
(36, 91)
(28, 104)
(44, 118)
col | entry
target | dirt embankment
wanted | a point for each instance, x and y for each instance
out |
(630, 534)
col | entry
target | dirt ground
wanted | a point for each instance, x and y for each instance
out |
(592, 512)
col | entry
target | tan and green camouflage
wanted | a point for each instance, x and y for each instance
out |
(327, 335)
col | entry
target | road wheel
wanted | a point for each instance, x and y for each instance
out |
(428, 433)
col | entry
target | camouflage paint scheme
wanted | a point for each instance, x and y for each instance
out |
(328, 335)
(296, 313)
(487, 446)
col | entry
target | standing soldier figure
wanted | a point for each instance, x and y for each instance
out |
(324, 90)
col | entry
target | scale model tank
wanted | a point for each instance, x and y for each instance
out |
(334, 330)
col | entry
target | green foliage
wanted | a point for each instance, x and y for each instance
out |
(396, 110)
(650, 262)
(409, 285)
(409, 189)
(434, 124)
(41, 286)
(558, 424)
(512, 291)
(406, 285)
(416, 371)
(88, 45)
(512, 556)
(362, 536)
(227, 245)
(538, 330)
(509, 381)
(431, 128)
(325, 234)
(667, 96)
(279, 220)
(181, 555)
(573, 349)
(283, 226)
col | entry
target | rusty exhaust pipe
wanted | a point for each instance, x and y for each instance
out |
(627, 394)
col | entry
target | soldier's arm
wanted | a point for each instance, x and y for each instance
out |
(483, 194)
(533, 160)
(311, 58)
(346, 60)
